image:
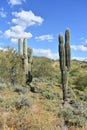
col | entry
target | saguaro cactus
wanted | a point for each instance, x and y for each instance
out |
(19, 47)
(25, 59)
(65, 58)
(25, 56)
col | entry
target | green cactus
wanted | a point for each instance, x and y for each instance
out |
(19, 47)
(64, 58)
(29, 54)
(29, 76)
(25, 48)
(67, 48)
(25, 58)
(61, 52)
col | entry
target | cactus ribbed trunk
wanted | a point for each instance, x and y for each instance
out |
(65, 59)
(25, 48)
(25, 56)
(67, 48)
(19, 47)
(64, 76)
(61, 52)
(29, 59)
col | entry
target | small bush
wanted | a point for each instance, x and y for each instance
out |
(75, 115)
(50, 95)
(21, 102)
(20, 90)
(81, 82)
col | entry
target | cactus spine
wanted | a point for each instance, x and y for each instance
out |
(64, 58)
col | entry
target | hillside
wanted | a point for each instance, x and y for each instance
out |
(38, 106)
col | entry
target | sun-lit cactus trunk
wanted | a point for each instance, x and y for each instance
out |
(25, 56)
(61, 52)
(20, 47)
(29, 55)
(64, 58)
(67, 48)
(29, 59)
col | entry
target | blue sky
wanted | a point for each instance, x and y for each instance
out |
(41, 21)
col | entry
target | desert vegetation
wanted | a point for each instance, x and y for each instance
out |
(38, 93)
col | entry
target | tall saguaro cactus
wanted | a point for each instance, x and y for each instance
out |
(65, 58)
(25, 59)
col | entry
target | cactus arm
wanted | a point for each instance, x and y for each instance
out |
(61, 52)
(67, 48)
(19, 47)
(25, 56)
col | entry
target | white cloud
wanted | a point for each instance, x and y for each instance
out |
(15, 2)
(79, 47)
(1, 32)
(22, 21)
(45, 52)
(80, 58)
(14, 34)
(26, 18)
(44, 37)
(14, 40)
(3, 14)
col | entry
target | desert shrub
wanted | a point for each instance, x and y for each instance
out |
(22, 101)
(74, 115)
(42, 67)
(10, 70)
(82, 95)
(3, 86)
(21, 90)
(81, 82)
(1, 99)
(50, 95)
(74, 72)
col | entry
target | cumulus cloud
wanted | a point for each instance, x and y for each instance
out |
(79, 47)
(15, 2)
(44, 37)
(11, 33)
(3, 14)
(26, 18)
(22, 20)
(45, 52)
